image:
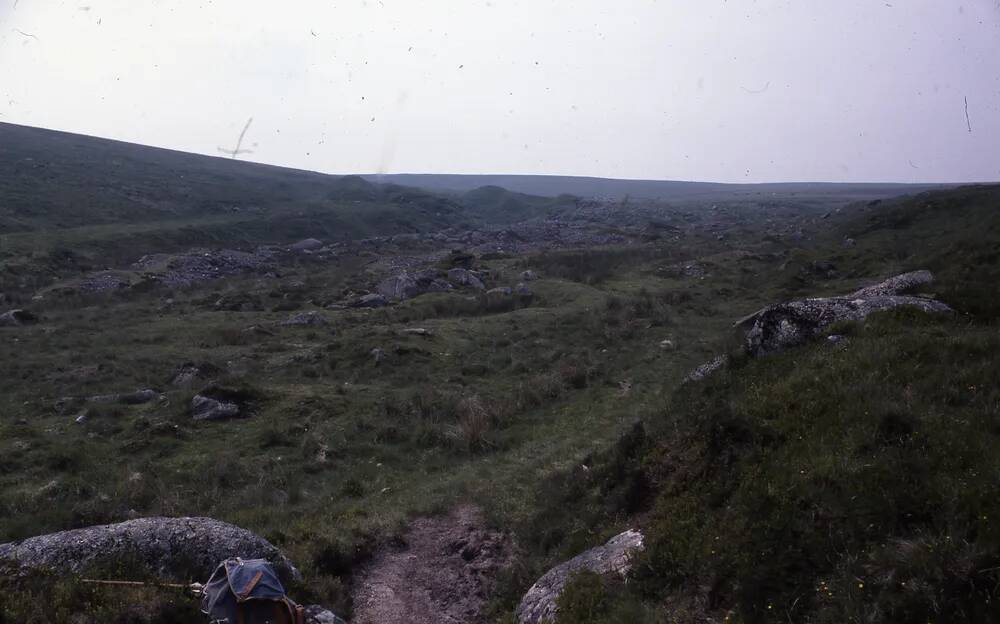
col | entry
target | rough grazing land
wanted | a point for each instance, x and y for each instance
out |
(370, 354)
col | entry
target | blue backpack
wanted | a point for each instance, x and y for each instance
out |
(247, 591)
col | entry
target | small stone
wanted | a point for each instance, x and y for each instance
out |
(707, 369)
(309, 244)
(48, 488)
(206, 408)
(186, 375)
(311, 318)
(417, 331)
(371, 300)
(17, 318)
(315, 614)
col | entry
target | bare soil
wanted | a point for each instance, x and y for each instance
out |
(442, 573)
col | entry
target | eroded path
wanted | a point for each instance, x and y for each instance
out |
(442, 574)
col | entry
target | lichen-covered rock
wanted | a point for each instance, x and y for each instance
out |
(178, 548)
(785, 325)
(615, 557)
(898, 285)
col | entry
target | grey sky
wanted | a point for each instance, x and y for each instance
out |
(737, 90)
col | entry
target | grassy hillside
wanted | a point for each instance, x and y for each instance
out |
(71, 203)
(849, 483)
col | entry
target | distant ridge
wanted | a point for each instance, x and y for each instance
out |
(103, 156)
(551, 186)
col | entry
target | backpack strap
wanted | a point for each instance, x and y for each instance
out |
(296, 612)
(250, 585)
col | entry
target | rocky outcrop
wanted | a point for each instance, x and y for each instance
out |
(199, 265)
(178, 548)
(409, 285)
(785, 325)
(105, 281)
(615, 557)
(399, 287)
(466, 278)
(16, 318)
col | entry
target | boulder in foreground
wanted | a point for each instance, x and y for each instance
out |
(177, 548)
(615, 557)
(785, 325)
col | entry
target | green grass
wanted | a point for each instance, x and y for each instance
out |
(504, 407)
(463, 415)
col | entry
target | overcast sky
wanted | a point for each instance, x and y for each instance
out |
(737, 90)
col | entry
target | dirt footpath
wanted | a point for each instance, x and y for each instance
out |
(442, 574)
